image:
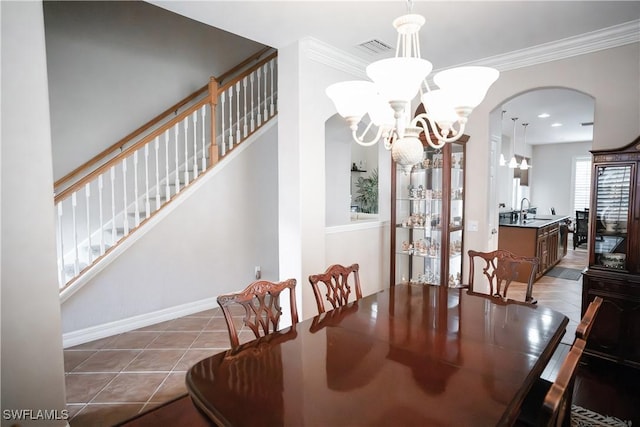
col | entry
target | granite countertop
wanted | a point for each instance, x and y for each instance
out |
(533, 221)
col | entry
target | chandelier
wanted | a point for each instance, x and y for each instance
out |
(395, 83)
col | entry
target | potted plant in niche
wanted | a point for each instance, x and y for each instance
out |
(367, 190)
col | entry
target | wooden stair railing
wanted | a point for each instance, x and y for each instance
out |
(101, 203)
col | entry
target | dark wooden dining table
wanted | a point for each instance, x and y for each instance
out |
(410, 355)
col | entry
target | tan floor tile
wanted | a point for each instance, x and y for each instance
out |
(81, 388)
(155, 360)
(158, 327)
(104, 415)
(191, 357)
(107, 361)
(73, 409)
(172, 387)
(188, 324)
(174, 340)
(219, 324)
(134, 340)
(130, 388)
(94, 345)
(72, 358)
(212, 339)
(207, 313)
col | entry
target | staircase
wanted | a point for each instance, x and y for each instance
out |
(103, 202)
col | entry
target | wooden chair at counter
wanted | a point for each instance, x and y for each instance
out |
(549, 403)
(338, 281)
(501, 267)
(261, 303)
(581, 228)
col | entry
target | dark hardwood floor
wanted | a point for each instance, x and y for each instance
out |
(601, 386)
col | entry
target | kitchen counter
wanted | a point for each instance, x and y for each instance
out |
(540, 236)
(534, 221)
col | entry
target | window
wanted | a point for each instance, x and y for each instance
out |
(581, 183)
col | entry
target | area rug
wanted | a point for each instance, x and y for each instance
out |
(564, 273)
(581, 417)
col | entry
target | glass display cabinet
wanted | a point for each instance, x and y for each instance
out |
(427, 216)
(614, 255)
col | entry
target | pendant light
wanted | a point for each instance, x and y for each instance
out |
(513, 163)
(524, 165)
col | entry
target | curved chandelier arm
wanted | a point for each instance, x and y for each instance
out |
(360, 140)
(442, 140)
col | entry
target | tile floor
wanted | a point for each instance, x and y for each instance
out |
(115, 378)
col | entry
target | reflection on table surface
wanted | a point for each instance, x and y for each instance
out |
(409, 355)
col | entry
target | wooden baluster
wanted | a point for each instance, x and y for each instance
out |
(259, 111)
(213, 103)
(264, 73)
(147, 204)
(231, 119)
(186, 151)
(176, 130)
(87, 199)
(135, 189)
(244, 118)
(157, 149)
(101, 214)
(222, 141)
(167, 173)
(114, 233)
(203, 112)
(238, 135)
(125, 215)
(273, 108)
(253, 111)
(194, 117)
(62, 279)
(76, 255)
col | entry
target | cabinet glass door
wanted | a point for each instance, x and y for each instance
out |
(419, 211)
(612, 195)
(456, 214)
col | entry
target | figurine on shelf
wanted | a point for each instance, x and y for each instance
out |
(426, 163)
(406, 246)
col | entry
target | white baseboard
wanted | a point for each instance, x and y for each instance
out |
(93, 333)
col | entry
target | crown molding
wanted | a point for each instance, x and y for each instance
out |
(606, 38)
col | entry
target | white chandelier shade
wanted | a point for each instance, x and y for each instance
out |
(395, 82)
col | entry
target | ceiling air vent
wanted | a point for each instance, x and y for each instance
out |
(586, 123)
(374, 47)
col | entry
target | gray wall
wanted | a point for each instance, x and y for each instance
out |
(207, 246)
(552, 175)
(114, 65)
(32, 365)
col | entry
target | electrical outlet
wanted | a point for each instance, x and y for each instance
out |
(258, 272)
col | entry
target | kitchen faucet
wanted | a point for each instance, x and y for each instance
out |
(523, 213)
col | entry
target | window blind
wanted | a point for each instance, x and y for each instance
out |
(582, 183)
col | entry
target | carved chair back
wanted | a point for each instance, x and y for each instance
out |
(502, 267)
(338, 282)
(260, 303)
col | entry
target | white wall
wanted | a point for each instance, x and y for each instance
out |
(32, 362)
(304, 108)
(610, 76)
(552, 176)
(114, 65)
(207, 246)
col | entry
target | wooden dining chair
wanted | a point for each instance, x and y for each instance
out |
(586, 323)
(549, 403)
(338, 282)
(501, 267)
(261, 303)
